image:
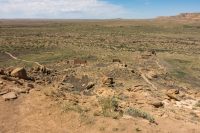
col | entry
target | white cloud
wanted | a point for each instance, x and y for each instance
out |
(59, 9)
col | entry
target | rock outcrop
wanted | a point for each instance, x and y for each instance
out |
(19, 73)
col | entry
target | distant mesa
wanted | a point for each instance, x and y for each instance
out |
(182, 17)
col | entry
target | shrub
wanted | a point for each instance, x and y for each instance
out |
(110, 107)
(139, 113)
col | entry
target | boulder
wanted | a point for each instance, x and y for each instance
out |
(19, 73)
(157, 104)
(9, 96)
(173, 94)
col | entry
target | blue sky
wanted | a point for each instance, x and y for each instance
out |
(99, 9)
(154, 8)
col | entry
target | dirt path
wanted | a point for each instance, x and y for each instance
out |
(160, 66)
(143, 75)
(149, 82)
(15, 58)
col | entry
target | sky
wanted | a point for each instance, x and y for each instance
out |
(95, 9)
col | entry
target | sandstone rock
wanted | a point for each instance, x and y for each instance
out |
(108, 81)
(173, 94)
(19, 73)
(90, 85)
(173, 91)
(157, 104)
(9, 96)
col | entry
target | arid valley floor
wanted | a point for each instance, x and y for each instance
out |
(100, 76)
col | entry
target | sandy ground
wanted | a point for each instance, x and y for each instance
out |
(35, 113)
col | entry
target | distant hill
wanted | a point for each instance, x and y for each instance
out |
(182, 17)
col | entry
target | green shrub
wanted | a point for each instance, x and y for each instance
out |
(139, 113)
(110, 107)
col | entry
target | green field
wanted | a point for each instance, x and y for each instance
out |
(50, 41)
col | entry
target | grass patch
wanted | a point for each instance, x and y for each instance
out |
(139, 113)
(66, 107)
(83, 116)
(110, 107)
(181, 68)
(179, 74)
(46, 58)
(86, 119)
